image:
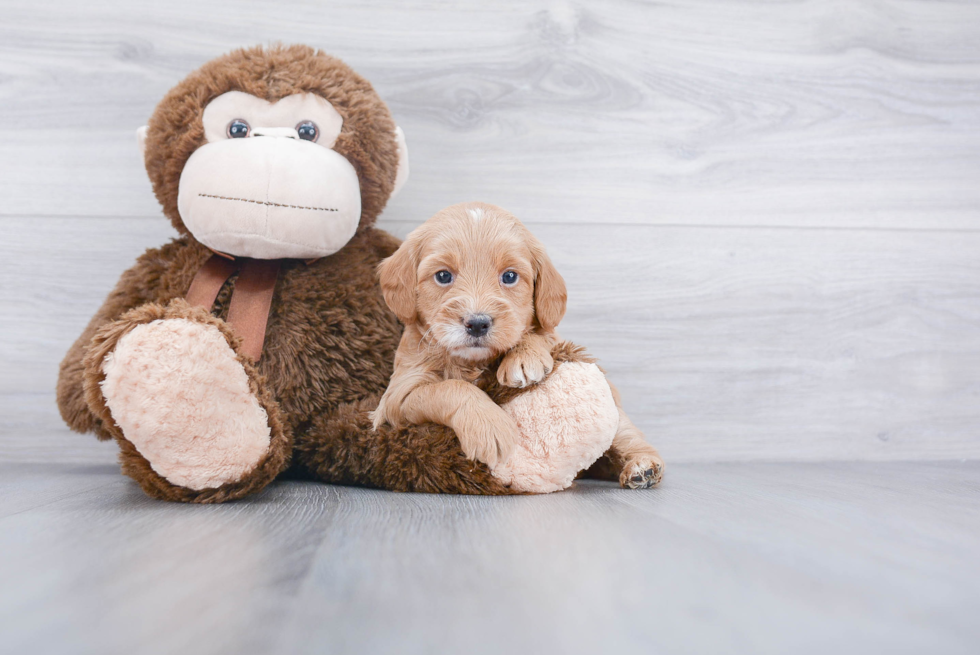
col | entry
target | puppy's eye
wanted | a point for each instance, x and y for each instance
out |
(509, 278)
(443, 278)
(238, 129)
(307, 131)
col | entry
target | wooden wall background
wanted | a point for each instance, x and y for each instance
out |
(767, 213)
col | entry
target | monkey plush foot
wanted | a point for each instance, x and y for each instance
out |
(189, 411)
(180, 396)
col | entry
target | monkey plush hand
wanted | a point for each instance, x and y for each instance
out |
(258, 338)
(566, 423)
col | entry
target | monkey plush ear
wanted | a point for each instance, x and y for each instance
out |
(141, 138)
(550, 296)
(398, 279)
(402, 176)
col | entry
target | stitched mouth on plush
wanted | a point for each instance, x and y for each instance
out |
(270, 198)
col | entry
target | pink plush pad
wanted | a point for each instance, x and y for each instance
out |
(182, 398)
(567, 422)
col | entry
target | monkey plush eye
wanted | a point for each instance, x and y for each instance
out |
(444, 278)
(509, 278)
(308, 131)
(238, 129)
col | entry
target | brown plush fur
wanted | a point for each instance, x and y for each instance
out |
(331, 338)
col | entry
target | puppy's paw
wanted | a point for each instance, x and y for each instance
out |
(642, 472)
(487, 434)
(522, 367)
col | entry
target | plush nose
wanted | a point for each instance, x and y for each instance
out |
(287, 132)
(477, 325)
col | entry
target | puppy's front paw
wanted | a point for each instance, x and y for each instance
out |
(642, 472)
(486, 434)
(524, 366)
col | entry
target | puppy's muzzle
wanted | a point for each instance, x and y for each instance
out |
(477, 325)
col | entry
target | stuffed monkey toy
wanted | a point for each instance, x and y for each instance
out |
(256, 343)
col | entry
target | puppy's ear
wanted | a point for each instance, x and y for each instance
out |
(398, 278)
(549, 288)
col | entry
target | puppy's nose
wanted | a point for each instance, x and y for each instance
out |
(477, 325)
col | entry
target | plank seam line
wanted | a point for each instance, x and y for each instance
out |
(694, 226)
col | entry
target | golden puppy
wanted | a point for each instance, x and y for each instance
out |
(472, 284)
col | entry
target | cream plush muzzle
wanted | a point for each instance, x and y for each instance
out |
(270, 197)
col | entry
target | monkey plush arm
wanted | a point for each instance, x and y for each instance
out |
(145, 282)
(343, 447)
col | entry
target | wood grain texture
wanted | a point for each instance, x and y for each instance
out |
(735, 558)
(767, 212)
(726, 343)
(705, 113)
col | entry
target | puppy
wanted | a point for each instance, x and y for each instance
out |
(472, 284)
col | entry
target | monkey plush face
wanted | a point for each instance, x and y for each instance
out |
(284, 153)
(267, 183)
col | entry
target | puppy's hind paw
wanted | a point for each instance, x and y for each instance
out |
(642, 473)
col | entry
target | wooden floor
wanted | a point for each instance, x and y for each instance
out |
(724, 558)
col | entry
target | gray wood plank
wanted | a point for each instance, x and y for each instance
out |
(759, 559)
(727, 344)
(704, 113)
(26, 486)
(108, 570)
(724, 558)
(31, 431)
